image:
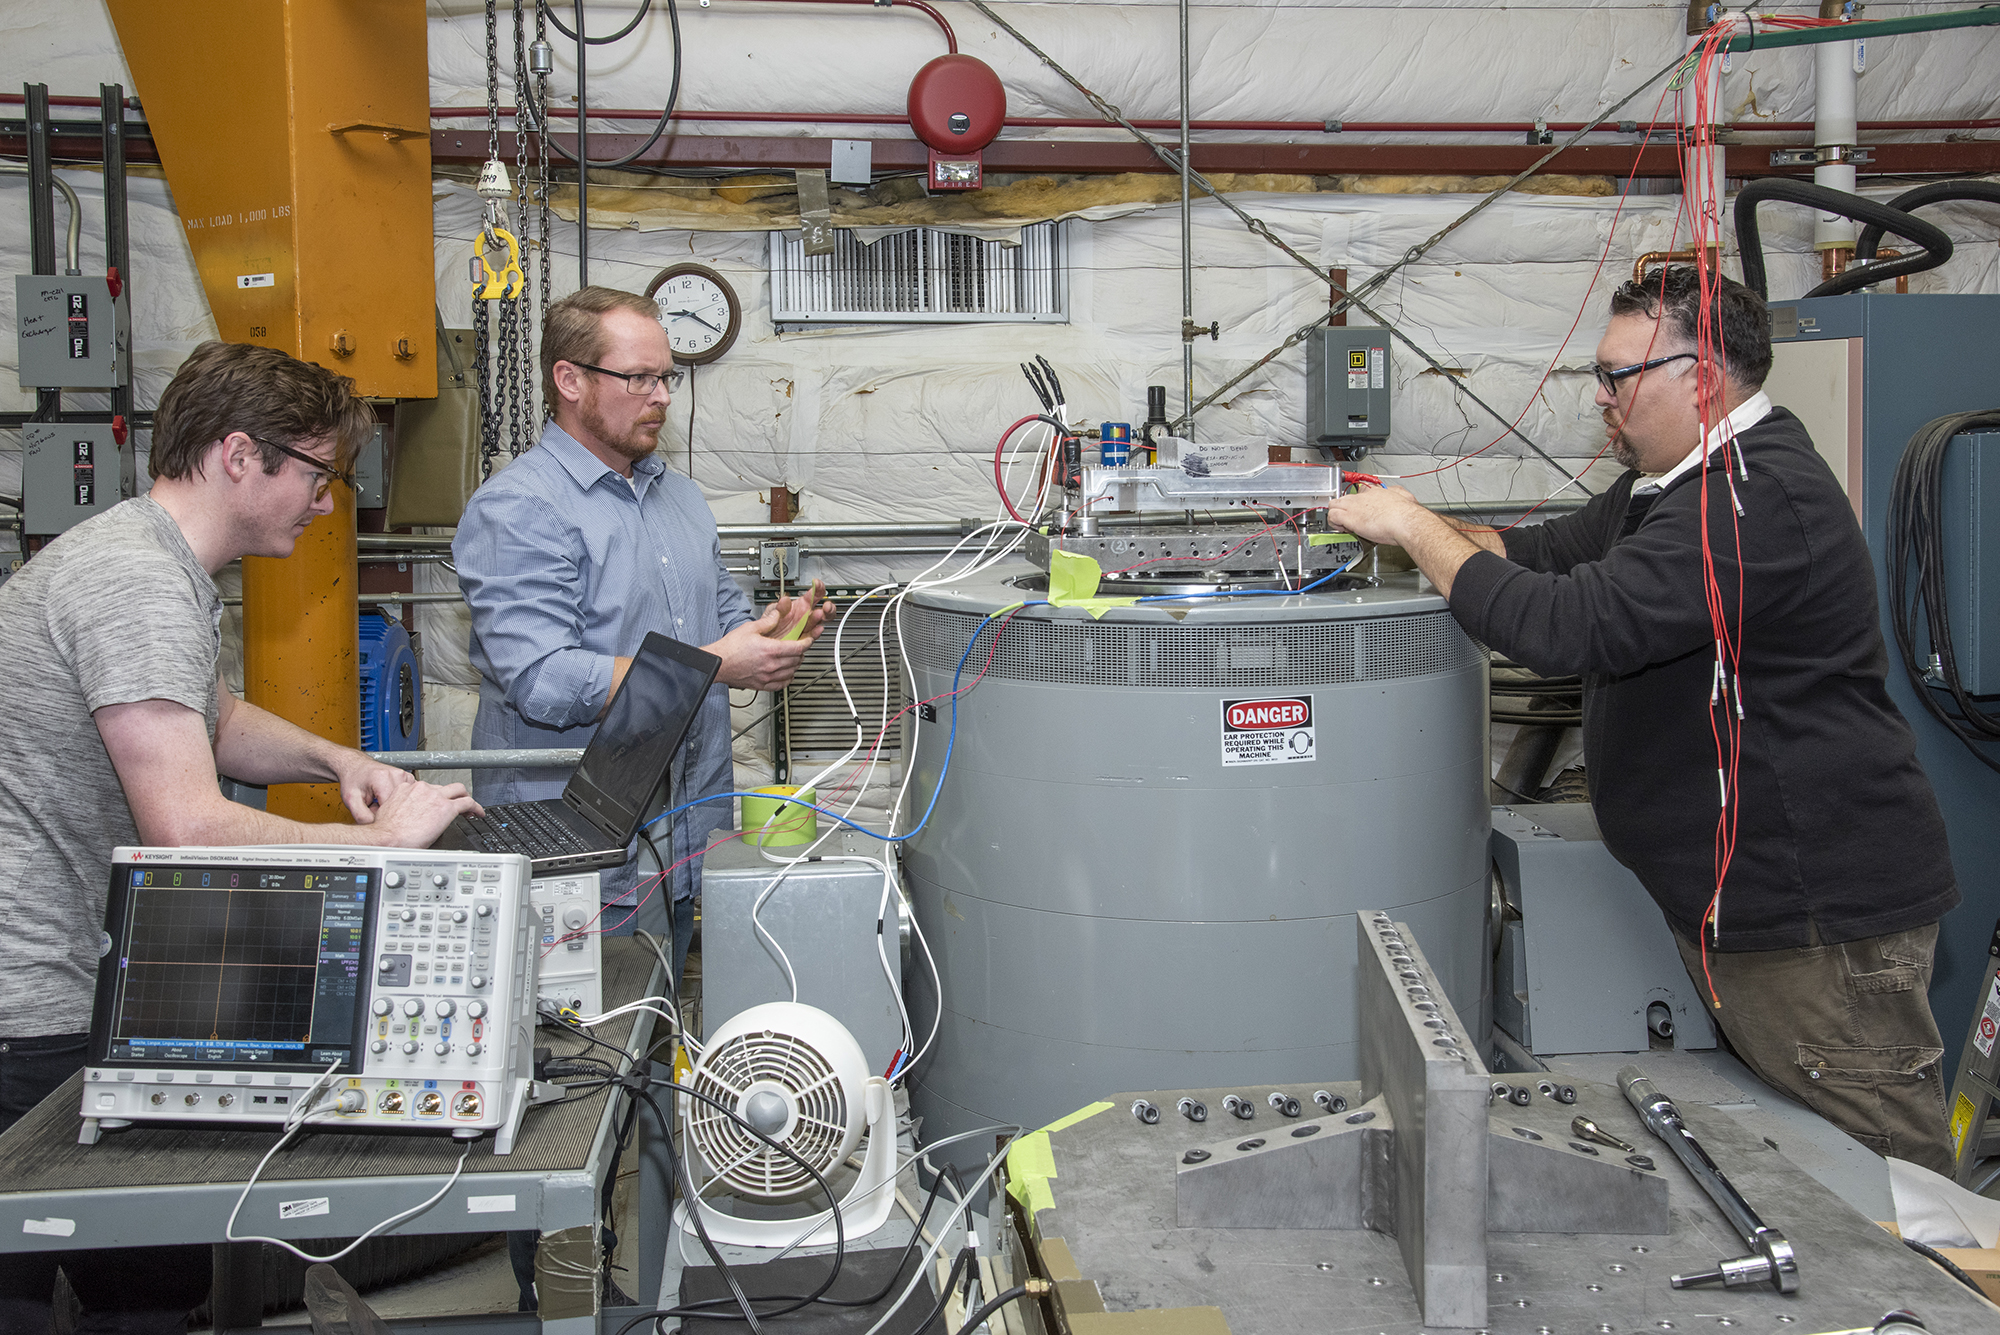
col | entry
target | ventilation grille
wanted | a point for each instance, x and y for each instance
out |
(814, 723)
(919, 276)
(809, 1085)
(1293, 654)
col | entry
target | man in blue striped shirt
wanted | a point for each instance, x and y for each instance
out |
(581, 546)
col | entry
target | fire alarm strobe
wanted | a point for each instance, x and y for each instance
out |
(957, 107)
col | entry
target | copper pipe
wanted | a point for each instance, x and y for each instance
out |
(1652, 257)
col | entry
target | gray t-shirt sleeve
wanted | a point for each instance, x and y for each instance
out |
(134, 631)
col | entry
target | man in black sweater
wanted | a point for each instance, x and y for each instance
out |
(1759, 782)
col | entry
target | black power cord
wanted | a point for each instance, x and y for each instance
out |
(1917, 588)
(581, 156)
(1946, 1263)
(677, 1165)
(1005, 1296)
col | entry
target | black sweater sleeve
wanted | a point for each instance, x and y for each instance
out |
(1640, 600)
(1563, 542)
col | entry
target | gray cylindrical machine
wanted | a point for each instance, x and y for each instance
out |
(1143, 867)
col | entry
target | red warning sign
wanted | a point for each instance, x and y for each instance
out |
(1276, 731)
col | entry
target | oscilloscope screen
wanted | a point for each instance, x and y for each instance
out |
(262, 971)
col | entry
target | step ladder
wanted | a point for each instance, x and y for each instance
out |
(1975, 1131)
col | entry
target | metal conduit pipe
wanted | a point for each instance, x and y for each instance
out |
(522, 758)
(1281, 127)
(73, 241)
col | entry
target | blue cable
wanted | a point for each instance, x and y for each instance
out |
(1252, 593)
(943, 770)
(952, 740)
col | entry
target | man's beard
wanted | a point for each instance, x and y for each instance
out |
(1621, 448)
(635, 443)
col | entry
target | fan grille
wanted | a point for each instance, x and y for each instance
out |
(818, 1135)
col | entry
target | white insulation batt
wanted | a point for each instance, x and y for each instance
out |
(889, 423)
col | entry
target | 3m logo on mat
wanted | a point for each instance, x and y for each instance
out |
(1275, 731)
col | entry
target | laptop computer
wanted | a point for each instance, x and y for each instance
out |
(592, 823)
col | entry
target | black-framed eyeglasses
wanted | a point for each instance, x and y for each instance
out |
(638, 382)
(1609, 378)
(325, 471)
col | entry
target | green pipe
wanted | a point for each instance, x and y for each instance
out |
(1765, 39)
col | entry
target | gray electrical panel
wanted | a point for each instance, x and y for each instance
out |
(1589, 955)
(368, 489)
(1347, 385)
(69, 472)
(73, 333)
(823, 917)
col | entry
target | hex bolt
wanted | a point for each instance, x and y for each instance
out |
(1521, 1095)
(1192, 1108)
(1565, 1093)
(1283, 1102)
(1333, 1103)
(1146, 1112)
(1243, 1108)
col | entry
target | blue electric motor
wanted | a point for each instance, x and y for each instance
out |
(392, 687)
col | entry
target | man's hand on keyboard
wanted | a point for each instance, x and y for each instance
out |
(416, 813)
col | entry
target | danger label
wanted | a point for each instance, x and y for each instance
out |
(1989, 1022)
(1267, 732)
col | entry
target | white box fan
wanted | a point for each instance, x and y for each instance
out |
(795, 1074)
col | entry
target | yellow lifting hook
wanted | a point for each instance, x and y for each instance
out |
(496, 283)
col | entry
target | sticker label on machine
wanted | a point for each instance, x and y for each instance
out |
(1269, 731)
(1989, 1022)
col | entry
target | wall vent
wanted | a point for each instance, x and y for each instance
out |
(921, 276)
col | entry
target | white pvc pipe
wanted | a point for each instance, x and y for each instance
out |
(1834, 129)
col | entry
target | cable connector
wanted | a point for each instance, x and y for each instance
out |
(1038, 1288)
(638, 1078)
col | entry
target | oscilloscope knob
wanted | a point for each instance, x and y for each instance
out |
(440, 880)
(411, 1047)
(386, 966)
(445, 1007)
(475, 1010)
(485, 910)
(478, 980)
(413, 1008)
(473, 1049)
(458, 915)
(442, 1049)
(393, 879)
(379, 1045)
(408, 915)
(381, 1006)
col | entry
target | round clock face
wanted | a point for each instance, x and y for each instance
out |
(699, 311)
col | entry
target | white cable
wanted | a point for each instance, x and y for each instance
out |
(295, 1121)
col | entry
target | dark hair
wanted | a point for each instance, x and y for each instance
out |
(573, 330)
(268, 395)
(1739, 318)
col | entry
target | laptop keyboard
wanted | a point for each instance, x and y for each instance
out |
(526, 827)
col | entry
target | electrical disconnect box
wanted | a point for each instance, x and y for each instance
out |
(69, 472)
(1347, 385)
(74, 333)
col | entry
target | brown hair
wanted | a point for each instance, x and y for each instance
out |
(573, 330)
(268, 395)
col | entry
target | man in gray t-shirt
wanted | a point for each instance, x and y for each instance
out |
(116, 726)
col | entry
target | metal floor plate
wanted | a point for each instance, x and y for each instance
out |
(1115, 1208)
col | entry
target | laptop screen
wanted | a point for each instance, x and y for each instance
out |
(648, 720)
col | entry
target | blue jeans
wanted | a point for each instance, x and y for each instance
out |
(124, 1290)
